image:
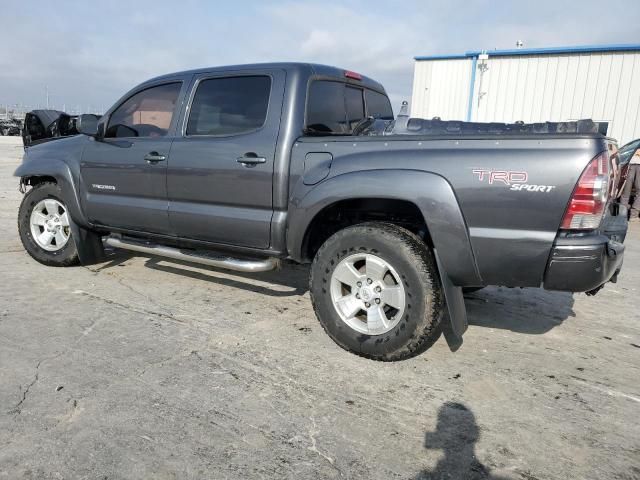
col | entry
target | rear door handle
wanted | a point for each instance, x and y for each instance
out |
(251, 160)
(154, 157)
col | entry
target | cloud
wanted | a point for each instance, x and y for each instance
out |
(318, 42)
(91, 55)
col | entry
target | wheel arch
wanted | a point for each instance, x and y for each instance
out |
(351, 211)
(55, 171)
(430, 194)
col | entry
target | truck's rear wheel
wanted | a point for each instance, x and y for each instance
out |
(376, 291)
(44, 226)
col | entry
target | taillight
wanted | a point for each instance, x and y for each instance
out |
(590, 196)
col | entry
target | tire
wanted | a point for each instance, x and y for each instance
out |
(408, 328)
(36, 199)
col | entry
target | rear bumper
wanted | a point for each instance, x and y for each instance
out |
(581, 264)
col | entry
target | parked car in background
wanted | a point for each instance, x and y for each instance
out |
(10, 127)
(306, 162)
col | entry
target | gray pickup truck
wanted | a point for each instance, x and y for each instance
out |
(242, 167)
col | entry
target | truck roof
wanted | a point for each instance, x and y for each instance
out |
(308, 69)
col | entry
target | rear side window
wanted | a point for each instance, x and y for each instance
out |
(229, 106)
(378, 105)
(146, 114)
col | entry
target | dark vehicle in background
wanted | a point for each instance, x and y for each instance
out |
(625, 153)
(306, 163)
(10, 127)
(44, 125)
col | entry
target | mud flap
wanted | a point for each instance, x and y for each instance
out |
(88, 244)
(457, 325)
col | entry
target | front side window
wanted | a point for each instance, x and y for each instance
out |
(229, 106)
(146, 114)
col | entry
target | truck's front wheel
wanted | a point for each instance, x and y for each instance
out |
(376, 291)
(44, 226)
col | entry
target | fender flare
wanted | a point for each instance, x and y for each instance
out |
(61, 172)
(431, 193)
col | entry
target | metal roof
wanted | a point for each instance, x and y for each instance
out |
(537, 51)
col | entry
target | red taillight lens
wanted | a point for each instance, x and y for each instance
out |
(590, 197)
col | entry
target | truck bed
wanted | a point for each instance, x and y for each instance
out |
(512, 188)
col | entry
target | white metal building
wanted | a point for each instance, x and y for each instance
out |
(601, 82)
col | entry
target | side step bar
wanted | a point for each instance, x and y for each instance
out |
(257, 265)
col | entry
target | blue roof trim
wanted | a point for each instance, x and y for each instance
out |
(539, 51)
(441, 57)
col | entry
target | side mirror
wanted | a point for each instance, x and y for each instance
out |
(87, 124)
(102, 128)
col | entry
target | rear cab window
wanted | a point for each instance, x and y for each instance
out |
(335, 108)
(378, 105)
(354, 101)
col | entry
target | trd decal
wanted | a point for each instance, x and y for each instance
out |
(516, 180)
(494, 176)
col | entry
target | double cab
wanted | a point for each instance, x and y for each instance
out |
(243, 167)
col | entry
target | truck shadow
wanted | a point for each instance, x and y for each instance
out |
(291, 280)
(456, 435)
(529, 310)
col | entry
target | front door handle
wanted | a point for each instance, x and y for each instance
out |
(154, 157)
(251, 159)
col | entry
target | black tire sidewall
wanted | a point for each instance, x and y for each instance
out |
(395, 250)
(65, 256)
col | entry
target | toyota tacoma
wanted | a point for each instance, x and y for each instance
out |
(243, 167)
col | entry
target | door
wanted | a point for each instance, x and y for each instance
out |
(124, 174)
(220, 175)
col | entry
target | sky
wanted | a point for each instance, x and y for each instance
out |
(88, 54)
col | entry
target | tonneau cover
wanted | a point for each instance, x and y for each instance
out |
(404, 125)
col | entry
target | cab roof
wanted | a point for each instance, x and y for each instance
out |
(304, 69)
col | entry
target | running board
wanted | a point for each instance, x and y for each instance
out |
(262, 265)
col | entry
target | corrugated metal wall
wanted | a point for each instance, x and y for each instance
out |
(440, 88)
(604, 86)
